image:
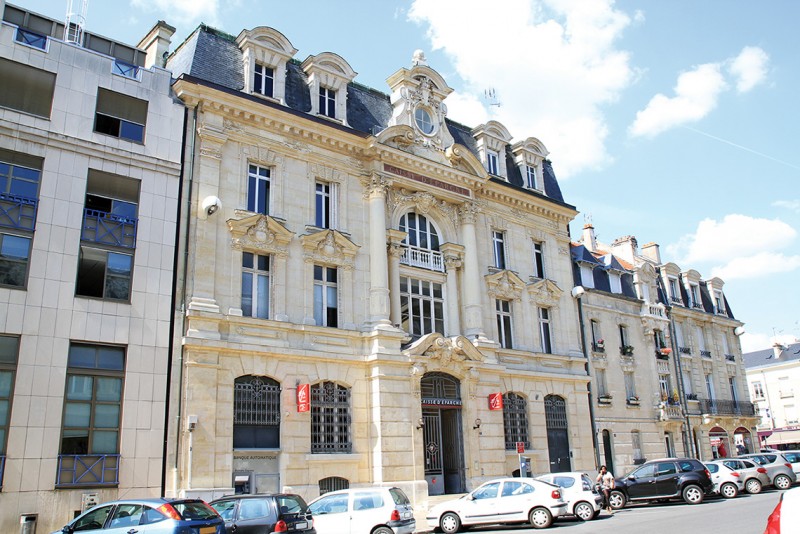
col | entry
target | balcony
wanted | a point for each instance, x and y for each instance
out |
(422, 257)
(604, 398)
(598, 346)
(87, 470)
(705, 353)
(730, 358)
(108, 229)
(626, 350)
(726, 407)
(671, 412)
(786, 393)
(18, 212)
(685, 350)
(663, 353)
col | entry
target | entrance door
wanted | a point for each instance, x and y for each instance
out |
(609, 454)
(444, 453)
(555, 414)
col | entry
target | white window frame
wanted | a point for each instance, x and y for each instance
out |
(545, 330)
(322, 295)
(264, 77)
(493, 162)
(505, 324)
(421, 298)
(499, 249)
(538, 260)
(758, 390)
(694, 293)
(262, 181)
(328, 199)
(327, 102)
(257, 279)
(530, 177)
(674, 290)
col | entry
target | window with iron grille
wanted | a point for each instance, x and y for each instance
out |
(256, 413)
(515, 420)
(330, 418)
(329, 484)
(555, 412)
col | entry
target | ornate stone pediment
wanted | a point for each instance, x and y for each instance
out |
(259, 233)
(505, 285)
(444, 349)
(545, 292)
(329, 246)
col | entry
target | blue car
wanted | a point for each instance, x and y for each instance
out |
(153, 516)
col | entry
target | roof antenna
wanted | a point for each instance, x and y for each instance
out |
(490, 95)
(75, 22)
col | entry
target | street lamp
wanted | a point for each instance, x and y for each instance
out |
(577, 293)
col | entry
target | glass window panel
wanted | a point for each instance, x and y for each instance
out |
(8, 349)
(5, 383)
(247, 260)
(111, 358)
(3, 415)
(247, 294)
(119, 263)
(317, 272)
(104, 442)
(79, 387)
(81, 356)
(318, 304)
(263, 297)
(106, 415)
(131, 131)
(331, 293)
(332, 275)
(263, 263)
(15, 247)
(77, 414)
(109, 389)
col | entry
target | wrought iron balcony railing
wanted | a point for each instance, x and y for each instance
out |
(18, 212)
(726, 407)
(730, 357)
(685, 350)
(421, 257)
(705, 353)
(108, 229)
(87, 470)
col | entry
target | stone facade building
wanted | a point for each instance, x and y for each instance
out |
(374, 294)
(90, 154)
(666, 361)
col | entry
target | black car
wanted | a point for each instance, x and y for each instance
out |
(669, 478)
(269, 512)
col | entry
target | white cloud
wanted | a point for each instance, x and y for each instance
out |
(757, 341)
(184, 11)
(761, 264)
(552, 63)
(696, 94)
(749, 68)
(793, 204)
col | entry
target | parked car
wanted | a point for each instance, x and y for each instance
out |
(753, 475)
(501, 501)
(668, 478)
(583, 500)
(781, 474)
(786, 515)
(793, 457)
(727, 481)
(161, 516)
(269, 512)
(383, 510)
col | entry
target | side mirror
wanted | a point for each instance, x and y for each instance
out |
(67, 529)
(631, 477)
(470, 497)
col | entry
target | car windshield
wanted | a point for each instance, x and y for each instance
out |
(190, 510)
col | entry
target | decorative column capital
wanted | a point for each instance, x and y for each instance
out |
(375, 185)
(468, 212)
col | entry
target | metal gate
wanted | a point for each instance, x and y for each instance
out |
(555, 414)
(442, 434)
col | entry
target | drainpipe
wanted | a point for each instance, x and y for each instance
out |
(577, 293)
(687, 427)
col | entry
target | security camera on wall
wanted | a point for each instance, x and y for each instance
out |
(210, 205)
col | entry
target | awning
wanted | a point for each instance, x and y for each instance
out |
(780, 438)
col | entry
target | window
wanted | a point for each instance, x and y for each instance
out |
(687, 383)
(326, 311)
(422, 306)
(255, 285)
(710, 386)
(624, 344)
(790, 411)
(530, 177)
(732, 383)
(120, 115)
(330, 418)
(694, 292)
(104, 274)
(758, 390)
(538, 259)
(515, 420)
(598, 343)
(424, 121)
(15, 252)
(658, 338)
(110, 210)
(31, 89)
(679, 339)
(333, 484)
(90, 521)
(125, 69)
(701, 342)
(9, 347)
(421, 243)
(263, 80)
(327, 102)
(256, 413)
(630, 386)
(258, 181)
(325, 196)
(665, 386)
(30, 38)
(544, 330)
(499, 247)
(719, 302)
(504, 332)
(636, 444)
(674, 293)
(492, 162)
(602, 385)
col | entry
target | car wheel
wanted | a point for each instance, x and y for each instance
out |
(383, 530)
(616, 500)
(753, 486)
(450, 523)
(584, 511)
(540, 517)
(782, 482)
(729, 490)
(692, 494)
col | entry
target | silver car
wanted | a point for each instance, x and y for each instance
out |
(781, 474)
(727, 481)
(583, 501)
(793, 457)
(754, 476)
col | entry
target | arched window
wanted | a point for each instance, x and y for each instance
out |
(421, 245)
(256, 413)
(330, 418)
(515, 420)
(333, 484)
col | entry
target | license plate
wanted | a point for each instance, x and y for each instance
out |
(208, 530)
(301, 525)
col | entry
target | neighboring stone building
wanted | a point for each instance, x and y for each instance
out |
(665, 358)
(90, 154)
(773, 378)
(373, 293)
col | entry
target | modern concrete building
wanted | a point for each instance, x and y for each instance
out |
(90, 154)
(371, 292)
(665, 358)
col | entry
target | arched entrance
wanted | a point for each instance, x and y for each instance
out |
(607, 452)
(555, 416)
(443, 440)
(720, 444)
(743, 440)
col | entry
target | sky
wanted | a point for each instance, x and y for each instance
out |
(672, 121)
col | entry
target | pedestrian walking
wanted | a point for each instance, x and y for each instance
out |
(606, 481)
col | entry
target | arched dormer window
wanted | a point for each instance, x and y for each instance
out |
(421, 245)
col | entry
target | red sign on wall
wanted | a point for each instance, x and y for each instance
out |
(495, 401)
(303, 397)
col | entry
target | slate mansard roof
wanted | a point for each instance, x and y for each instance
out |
(766, 357)
(212, 56)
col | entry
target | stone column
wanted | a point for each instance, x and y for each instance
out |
(375, 194)
(471, 286)
(395, 239)
(452, 261)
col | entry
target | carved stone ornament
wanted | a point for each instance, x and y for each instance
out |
(259, 233)
(545, 293)
(423, 202)
(505, 285)
(375, 184)
(447, 350)
(323, 172)
(262, 155)
(329, 247)
(468, 212)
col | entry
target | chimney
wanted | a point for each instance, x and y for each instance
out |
(651, 252)
(626, 247)
(777, 350)
(589, 240)
(156, 44)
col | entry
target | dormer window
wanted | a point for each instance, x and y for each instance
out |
(674, 292)
(327, 102)
(265, 53)
(528, 156)
(695, 293)
(328, 75)
(492, 139)
(492, 162)
(719, 302)
(530, 177)
(263, 80)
